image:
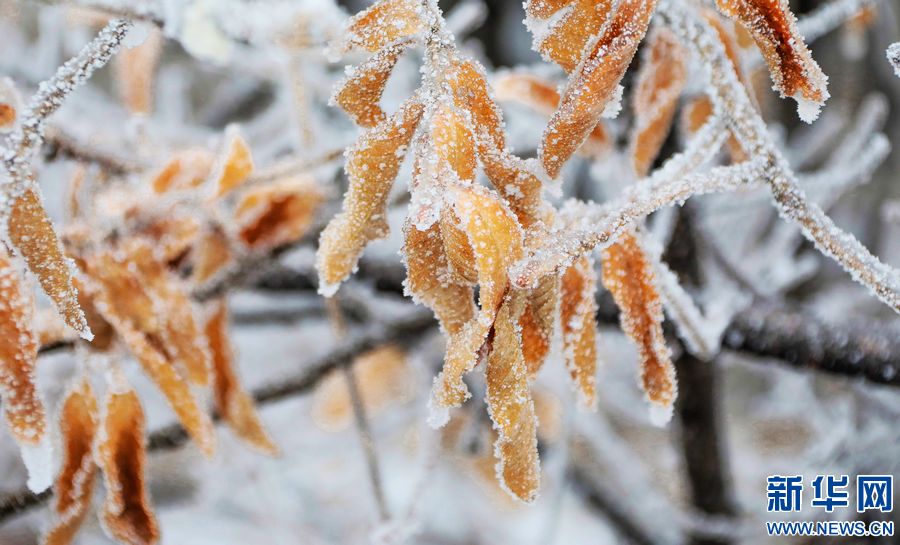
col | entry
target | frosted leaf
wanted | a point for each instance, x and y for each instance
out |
(578, 317)
(234, 166)
(209, 256)
(31, 233)
(460, 255)
(496, 241)
(384, 22)
(628, 276)
(660, 80)
(538, 322)
(791, 65)
(233, 402)
(510, 405)
(360, 91)
(453, 141)
(74, 486)
(893, 57)
(21, 403)
(372, 165)
(593, 85)
(136, 70)
(567, 38)
(542, 96)
(180, 333)
(383, 377)
(185, 170)
(427, 278)
(122, 299)
(127, 514)
(278, 213)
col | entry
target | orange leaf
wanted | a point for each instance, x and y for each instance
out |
(31, 233)
(22, 404)
(384, 22)
(662, 76)
(372, 165)
(75, 482)
(135, 69)
(359, 93)
(278, 213)
(578, 316)
(594, 83)
(234, 404)
(510, 405)
(234, 167)
(186, 169)
(568, 37)
(121, 453)
(537, 322)
(791, 65)
(628, 276)
(453, 141)
(210, 255)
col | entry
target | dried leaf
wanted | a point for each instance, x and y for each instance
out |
(31, 233)
(210, 255)
(496, 242)
(383, 23)
(629, 277)
(22, 405)
(453, 141)
(181, 334)
(121, 453)
(235, 166)
(383, 378)
(578, 316)
(278, 213)
(568, 37)
(233, 402)
(372, 165)
(122, 299)
(460, 256)
(542, 96)
(537, 322)
(660, 80)
(185, 170)
(360, 92)
(427, 278)
(594, 83)
(510, 405)
(75, 483)
(793, 70)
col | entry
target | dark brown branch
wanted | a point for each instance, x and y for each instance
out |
(404, 331)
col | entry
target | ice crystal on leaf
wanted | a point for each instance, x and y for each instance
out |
(22, 405)
(74, 487)
(593, 84)
(791, 65)
(121, 453)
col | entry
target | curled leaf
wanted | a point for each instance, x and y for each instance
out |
(793, 70)
(428, 280)
(593, 84)
(495, 239)
(75, 483)
(233, 403)
(384, 22)
(538, 320)
(360, 92)
(453, 141)
(567, 38)
(31, 233)
(22, 405)
(629, 277)
(121, 453)
(235, 165)
(277, 213)
(542, 96)
(578, 316)
(372, 165)
(510, 405)
(662, 76)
